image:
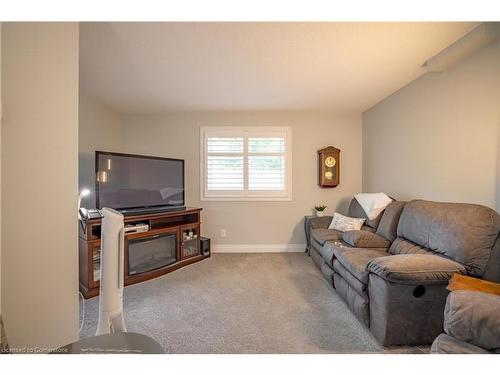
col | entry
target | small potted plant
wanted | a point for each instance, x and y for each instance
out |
(319, 210)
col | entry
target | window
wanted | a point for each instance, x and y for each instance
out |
(246, 163)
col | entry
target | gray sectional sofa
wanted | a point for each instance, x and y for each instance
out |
(471, 324)
(393, 273)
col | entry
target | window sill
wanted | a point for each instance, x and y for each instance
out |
(246, 199)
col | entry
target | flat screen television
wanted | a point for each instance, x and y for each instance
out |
(133, 183)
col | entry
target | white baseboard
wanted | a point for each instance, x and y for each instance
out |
(259, 248)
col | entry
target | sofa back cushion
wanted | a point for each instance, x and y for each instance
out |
(461, 231)
(492, 270)
(388, 225)
(400, 246)
(355, 210)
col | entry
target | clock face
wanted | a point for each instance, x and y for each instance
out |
(330, 161)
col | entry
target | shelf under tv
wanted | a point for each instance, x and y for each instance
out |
(183, 226)
(151, 210)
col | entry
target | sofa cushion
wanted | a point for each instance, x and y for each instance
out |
(461, 231)
(355, 259)
(355, 210)
(357, 285)
(492, 269)
(388, 226)
(357, 303)
(401, 246)
(415, 268)
(325, 269)
(363, 238)
(473, 317)
(319, 222)
(321, 235)
(368, 229)
(326, 252)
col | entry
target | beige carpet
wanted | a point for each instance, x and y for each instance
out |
(244, 303)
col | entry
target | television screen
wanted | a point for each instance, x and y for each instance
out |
(134, 181)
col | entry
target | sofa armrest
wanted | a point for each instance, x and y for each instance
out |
(473, 317)
(363, 238)
(320, 222)
(444, 344)
(415, 268)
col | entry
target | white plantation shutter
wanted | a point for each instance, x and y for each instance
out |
(266, 163)
(225, 164)
(266, 172)
(246, 163)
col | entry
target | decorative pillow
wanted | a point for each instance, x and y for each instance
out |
(344, 223)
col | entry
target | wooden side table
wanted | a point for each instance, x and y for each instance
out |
(461, 282)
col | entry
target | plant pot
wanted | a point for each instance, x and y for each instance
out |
(320, 213)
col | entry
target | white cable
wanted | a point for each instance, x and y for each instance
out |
(83, 311)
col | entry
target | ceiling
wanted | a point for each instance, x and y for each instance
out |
(161, 67)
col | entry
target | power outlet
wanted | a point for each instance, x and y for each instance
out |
(223, 233)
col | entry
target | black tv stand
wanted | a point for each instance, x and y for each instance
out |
(151, 210)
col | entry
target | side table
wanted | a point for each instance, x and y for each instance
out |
(307, 219)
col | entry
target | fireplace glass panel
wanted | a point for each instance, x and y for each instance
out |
(147, 254)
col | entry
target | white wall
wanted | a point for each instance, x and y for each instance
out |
(438, 137)
(0, 170)
(99, 128)
(262, 223)
(39, 184)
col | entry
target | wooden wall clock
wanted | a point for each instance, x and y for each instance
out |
(329, 167)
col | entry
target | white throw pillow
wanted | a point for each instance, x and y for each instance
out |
(344, 223)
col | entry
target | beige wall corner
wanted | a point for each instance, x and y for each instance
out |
(437, 138)
(99, 128)
(39, 184)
